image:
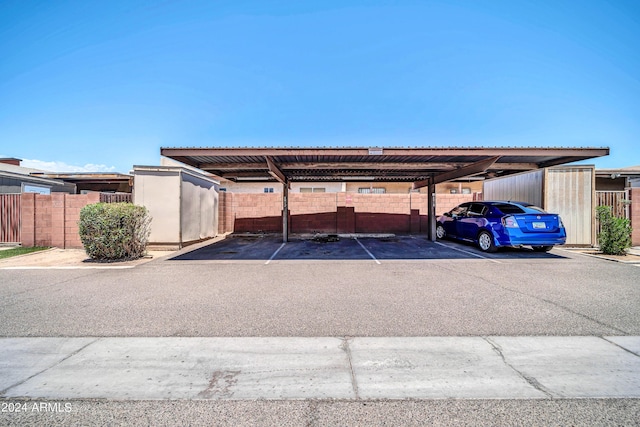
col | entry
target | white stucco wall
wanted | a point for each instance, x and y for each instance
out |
(199, 208)
(183, 203)
(160, 194)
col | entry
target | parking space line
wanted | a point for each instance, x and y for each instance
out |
(275, 253)
(467, 252)
(367, 251)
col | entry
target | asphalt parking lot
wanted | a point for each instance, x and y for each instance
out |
(399, 286)
(349, 248)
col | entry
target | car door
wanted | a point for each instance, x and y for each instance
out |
(456, 215)
(473, 220)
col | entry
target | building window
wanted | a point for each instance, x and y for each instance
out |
(312, 189)
(36, 189)
(372, 190)
(463, 190)
(268, 189)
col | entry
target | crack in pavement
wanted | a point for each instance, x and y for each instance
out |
(354, 382)
(555, 304)
(530, 380)
(619, 346)
(73, 353)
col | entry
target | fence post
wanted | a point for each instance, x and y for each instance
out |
(27, 219)
(58, 220)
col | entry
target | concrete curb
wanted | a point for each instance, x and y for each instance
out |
(605, 257)
(355, 368)
(57, 258)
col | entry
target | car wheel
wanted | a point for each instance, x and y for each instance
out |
(440, 231)
(542, 248)
(485, 242)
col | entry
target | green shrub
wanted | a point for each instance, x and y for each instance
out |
(114, 231)
(615, 233)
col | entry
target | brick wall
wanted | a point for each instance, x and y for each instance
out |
(635, 216)
(313, 212)
(52, 220)
(382, 213)
(225, 212)
(256, 212)
(332, 212)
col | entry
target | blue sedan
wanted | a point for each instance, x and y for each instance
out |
(494, 224)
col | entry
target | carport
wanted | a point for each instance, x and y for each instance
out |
(424, 167)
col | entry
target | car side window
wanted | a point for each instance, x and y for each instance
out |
(459, 210)
(477, 209)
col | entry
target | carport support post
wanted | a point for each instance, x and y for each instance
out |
(285, 213)
(431, 208)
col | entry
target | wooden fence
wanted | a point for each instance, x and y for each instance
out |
(9, 218)
(618, 201)
(115, 197)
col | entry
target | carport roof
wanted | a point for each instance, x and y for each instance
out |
(422, 165)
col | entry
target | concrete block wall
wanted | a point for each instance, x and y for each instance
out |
(225, 212)
(248, 205)
(313, 212)
(256, 212)
(332, 212)
(43, 220)
(382, 203)
(311, 203)
(52, 220)
(382, 213)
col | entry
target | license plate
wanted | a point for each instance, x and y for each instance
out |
(538, 225)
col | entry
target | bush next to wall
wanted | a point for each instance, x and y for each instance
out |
(114, 231)
(615, 233)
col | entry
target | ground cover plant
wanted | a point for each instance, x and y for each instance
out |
(8, 253)
(114, 231)
(615, 232)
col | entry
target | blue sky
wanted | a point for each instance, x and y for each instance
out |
(102, 85)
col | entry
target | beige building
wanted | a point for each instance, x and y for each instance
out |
(462, 187)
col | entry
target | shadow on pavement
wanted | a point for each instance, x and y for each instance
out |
(235, 248)
(269, 247)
